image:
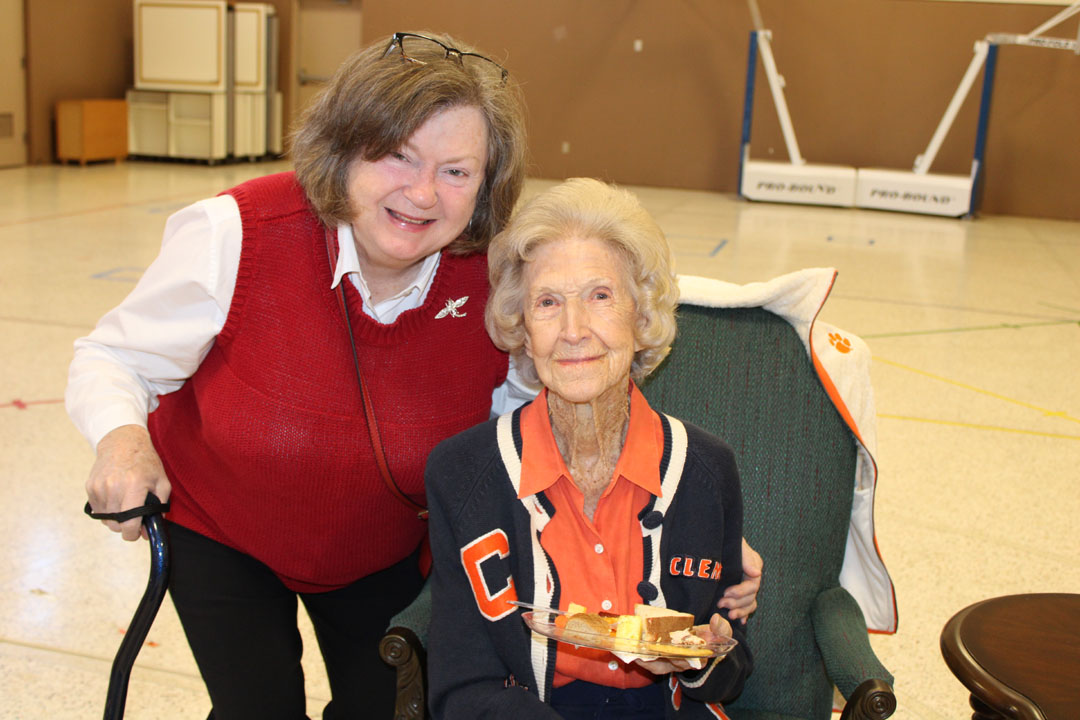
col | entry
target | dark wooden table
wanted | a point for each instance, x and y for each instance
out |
(1019, 656)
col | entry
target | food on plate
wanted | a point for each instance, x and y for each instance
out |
(647, 624)
(571, 610)
(589, 623)
(658, 623)
(685, 637)
(628, 627)
(624, 634)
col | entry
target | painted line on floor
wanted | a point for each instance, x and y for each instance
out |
(718, 248)
(24, 404)
(120, 274)
(101, 208)
(974, 328)
(1048, 413)
(958, 308)
(976, 426)
(1052, 306)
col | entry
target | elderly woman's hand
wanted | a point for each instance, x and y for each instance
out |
(127, 467)
(741, 599)
(717, 628)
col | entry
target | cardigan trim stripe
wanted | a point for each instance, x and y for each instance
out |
(545, 582)
(675, 453)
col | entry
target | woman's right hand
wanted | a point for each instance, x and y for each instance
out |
(126, 469)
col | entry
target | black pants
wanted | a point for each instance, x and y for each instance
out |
(240, 621)
(582, 700)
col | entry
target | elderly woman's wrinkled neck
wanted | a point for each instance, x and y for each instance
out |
(590, 437)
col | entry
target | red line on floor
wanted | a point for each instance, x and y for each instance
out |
(23, 404)
(101, 208)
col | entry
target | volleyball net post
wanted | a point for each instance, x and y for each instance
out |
(917, 190)
(921, 191)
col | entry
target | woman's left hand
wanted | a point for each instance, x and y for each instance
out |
(718, 627)
(741, 600)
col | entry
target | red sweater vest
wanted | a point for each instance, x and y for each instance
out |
(267, 446)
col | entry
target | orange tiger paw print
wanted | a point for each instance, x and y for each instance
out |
(841, 343)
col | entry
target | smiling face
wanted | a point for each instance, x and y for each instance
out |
(579, 318)
(417, 200)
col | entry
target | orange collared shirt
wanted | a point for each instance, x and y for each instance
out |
(599, 562)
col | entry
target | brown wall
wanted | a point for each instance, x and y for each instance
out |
(80, 50)
(867, 83)
(74, 50)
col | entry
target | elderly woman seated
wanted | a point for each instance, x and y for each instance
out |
(587, 495)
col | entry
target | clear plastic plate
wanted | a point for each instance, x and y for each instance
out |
(544, 624)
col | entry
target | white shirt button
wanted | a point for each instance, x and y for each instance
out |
(599, 548)
(606, 604)
(613, 665)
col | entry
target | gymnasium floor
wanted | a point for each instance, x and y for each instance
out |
(974, 327)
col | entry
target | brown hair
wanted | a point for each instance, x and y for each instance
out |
(373, 105)
(585, 208)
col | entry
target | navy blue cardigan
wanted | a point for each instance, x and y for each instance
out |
(483, 662)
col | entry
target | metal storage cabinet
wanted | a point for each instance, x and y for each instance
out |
(148, 123)
(205, 80)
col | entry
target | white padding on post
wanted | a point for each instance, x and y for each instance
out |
(804, 184)
(946, 195)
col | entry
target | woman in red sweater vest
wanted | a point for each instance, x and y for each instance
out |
(284, 367)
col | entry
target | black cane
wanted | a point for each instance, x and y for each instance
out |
(148, 606)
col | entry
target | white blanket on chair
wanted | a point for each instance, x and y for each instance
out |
(842, 362)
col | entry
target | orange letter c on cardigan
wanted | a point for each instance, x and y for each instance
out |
(493, 605)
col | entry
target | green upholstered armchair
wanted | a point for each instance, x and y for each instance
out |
(746, 374)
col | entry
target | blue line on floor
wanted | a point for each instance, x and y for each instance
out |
(120, 274)
(718, 248)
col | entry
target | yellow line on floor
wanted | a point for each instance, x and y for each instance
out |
(975, 426)
(1048, 413)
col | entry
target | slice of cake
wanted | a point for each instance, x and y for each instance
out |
(658, 623)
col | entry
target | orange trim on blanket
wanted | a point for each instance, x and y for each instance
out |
(841, 408)
(834, 394)
(823, 376)
(845, 414)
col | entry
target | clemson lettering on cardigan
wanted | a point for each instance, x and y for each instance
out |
(493, 605)
(690, 566)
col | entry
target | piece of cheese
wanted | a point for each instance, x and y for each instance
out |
(629, 627)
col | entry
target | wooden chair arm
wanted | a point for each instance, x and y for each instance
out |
(402, 649)
(873, 700)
